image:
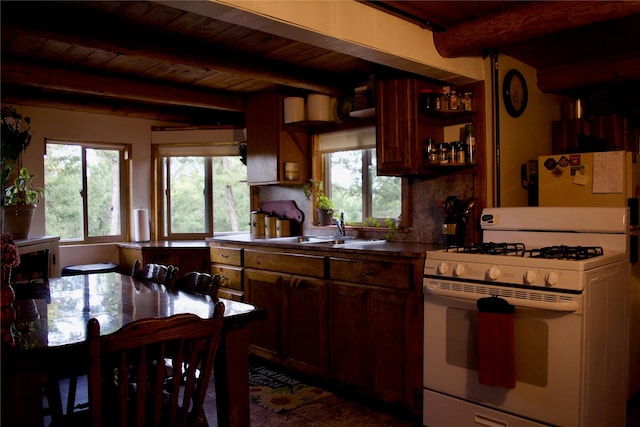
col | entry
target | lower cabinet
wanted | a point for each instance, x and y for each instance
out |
(372, 342)
(354, 321)
(295, 331)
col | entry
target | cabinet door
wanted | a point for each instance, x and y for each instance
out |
(269, 147)
(398, 151)
(305, 325)
(393, 323)
(264, 289)
(348, 348)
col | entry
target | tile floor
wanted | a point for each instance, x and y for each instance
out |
(335, 411)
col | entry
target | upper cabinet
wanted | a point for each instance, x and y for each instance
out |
(403, 126)
(275, 155)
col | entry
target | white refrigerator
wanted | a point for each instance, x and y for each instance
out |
(609, 178)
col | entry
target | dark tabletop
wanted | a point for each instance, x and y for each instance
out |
(115, 300)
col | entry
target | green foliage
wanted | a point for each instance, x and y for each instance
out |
(16, 134)
(322, 200)
(22, 191)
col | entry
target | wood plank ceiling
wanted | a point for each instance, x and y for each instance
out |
(145, 59)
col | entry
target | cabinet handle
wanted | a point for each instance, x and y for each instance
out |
(224, 256)
(368, 273)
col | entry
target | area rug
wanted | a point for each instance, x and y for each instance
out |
(278, 392)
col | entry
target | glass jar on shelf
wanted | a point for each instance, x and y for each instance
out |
(443, 156)
(453, 100)
(466, 101)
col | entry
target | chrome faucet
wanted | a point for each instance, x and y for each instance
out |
(340, 224)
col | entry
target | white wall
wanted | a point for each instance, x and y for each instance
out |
(76, 126)
(525, 137)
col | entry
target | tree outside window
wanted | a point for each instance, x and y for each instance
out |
(83, 184)
(350, 175)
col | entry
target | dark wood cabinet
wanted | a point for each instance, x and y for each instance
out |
(352, 319)
(295, 332)
(227, 262)
(270, 144)
(402, 127)
(375, 333)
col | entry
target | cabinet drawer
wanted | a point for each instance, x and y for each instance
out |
(231, 276)
(389, 274)
(306, 265)
(230, 294)
(231, 256)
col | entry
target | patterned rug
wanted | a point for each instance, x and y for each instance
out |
(280, 393)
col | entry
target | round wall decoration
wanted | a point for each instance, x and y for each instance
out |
(515, 93)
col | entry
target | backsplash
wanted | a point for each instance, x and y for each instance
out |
(428, 214)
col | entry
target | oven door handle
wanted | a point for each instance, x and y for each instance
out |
(566, 306)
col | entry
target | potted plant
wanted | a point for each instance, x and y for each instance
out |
(323, 203)
(19, 196)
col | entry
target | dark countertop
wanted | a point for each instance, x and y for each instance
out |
(175, 244)
(383, 247)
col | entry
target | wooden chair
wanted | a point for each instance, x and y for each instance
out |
(155, 274)
(147, 349)
(198, 283)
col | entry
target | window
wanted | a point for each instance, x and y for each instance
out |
(201, 189)
(349, 174)
(84, 197)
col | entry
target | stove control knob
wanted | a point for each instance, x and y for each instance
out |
(458, 270)
(529, 277)
(551, 279)
(493, 273)
(443, 268)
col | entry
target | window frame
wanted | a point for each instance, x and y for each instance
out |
(163, 150)
(320, 168)
(164, 194)
(124, 176)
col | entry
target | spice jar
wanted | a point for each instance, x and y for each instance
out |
(453, 152)
(430, 151)
(466, 101)
(443, 157)
(453, 100)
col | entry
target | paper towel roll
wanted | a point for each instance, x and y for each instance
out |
(293, 109)
(141, 226)
(318, 107)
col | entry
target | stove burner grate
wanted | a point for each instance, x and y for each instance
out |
(490, 248)
(565, 252)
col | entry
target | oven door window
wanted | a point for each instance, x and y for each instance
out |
(531, 345)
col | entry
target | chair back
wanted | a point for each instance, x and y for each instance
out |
(155, 273)
(152, 372)
(198, 283)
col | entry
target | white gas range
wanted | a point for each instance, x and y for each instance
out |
(564, 272)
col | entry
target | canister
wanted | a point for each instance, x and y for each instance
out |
(283, 227)
(270, 226)
(257, 223)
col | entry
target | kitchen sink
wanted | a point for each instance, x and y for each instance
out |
(324, 240)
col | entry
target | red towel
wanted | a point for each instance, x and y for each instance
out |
(496, 354)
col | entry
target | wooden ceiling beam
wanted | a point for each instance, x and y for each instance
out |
(26, 73)
(95, 33)
(525, 22)
(613, 70)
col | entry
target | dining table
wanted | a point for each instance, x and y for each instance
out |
(49, 339)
